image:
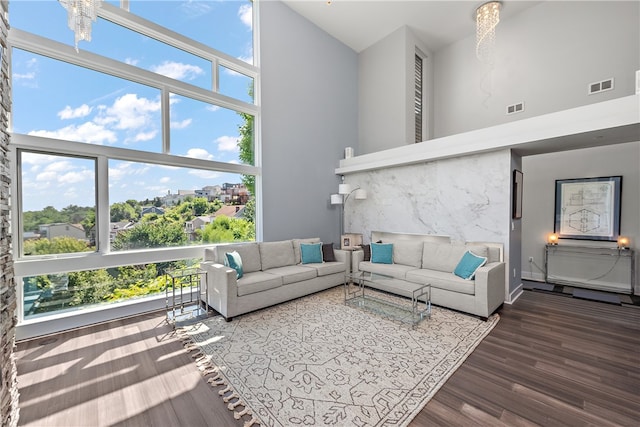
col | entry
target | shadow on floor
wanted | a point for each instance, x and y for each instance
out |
(588, 294)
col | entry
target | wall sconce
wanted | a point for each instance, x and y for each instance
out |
(552, 239)
(623, 242)
(344, 191)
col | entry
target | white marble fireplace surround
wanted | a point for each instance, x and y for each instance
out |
(460, 185)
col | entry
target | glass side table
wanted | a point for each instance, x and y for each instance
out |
(183, 294)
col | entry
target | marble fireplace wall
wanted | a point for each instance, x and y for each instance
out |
(467, 198)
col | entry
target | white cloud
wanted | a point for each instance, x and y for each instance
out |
(26, 76)
(181, 125)
(246, 15)
(165, 179)
(227, 143)
(194, 8)
(87, 132)
(131, 61)
(213, 108)
(130, 112)
(199, 153)
(145, 136)
(205, 174)
(73, 177)
(73, 113)
(177, 70)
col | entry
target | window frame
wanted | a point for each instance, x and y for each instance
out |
(103, 257)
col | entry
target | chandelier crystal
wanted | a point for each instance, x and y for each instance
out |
(81, 14)
(487, 18)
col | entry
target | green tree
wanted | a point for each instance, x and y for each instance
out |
(249, 212)
(246, 146)
(123, 212)
(57, 245)
(225, 229)
(156, 234)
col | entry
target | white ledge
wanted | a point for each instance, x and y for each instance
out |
(608, 122)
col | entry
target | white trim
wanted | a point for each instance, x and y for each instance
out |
(517, 292)
(620, 113)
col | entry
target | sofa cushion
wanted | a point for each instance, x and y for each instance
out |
(276, 254)
(235, 261)
(249, 253)
(382, 253)
(327, 252)
(293, 273)
(408, 253)
(468, 265)
(310, 253)
(442, 280)
(296, 247)
(393, 270)
(367, 252)
(258, 281)
(442, 256)
(328, 268)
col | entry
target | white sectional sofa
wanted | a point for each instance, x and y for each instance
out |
(432, 259)
(273, 272)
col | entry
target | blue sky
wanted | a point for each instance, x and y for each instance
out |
(58, 100)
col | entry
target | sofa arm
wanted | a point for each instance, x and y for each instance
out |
(344, 257)
(222, 287)
(356, 258)
(490, 286)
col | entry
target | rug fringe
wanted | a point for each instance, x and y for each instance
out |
(204, 364)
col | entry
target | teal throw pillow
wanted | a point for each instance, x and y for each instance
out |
(468, 265)
(234, 261)
(311, 253)
(382, 253)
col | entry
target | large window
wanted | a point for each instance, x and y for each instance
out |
(131, 153)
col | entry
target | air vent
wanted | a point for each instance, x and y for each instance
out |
(602, 86)
(515, 108)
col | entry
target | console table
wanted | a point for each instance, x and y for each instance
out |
(601, 268)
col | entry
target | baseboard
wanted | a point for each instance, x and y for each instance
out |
(515, 294)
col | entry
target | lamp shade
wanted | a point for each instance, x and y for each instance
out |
(336, 199)
(344, 188)
(623, 242)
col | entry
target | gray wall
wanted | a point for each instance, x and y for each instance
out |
(540, 174)
(309, 115)
(386, 92)
(545, 56)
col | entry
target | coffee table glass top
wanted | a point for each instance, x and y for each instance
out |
(367, 290)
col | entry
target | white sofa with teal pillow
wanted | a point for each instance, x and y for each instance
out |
(249, 276)
(467, 277)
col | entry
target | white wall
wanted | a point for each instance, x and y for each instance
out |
(386, 85)
(309, 115)
(540, 174)
(545, 56)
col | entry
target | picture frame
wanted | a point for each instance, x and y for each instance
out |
(516, 209)
(588, 208)
(350, 241)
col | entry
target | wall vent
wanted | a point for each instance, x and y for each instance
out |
(603, 86)
(515, 108)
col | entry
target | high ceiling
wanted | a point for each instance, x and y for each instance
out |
(361, 23)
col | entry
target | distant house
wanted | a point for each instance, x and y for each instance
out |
(198, 223)
(119, 227)
(152, 210)
(235, 211)
(62, 229)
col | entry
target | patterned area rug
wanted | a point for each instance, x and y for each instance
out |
(315, 361)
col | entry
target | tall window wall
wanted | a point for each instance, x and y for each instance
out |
(131, 152)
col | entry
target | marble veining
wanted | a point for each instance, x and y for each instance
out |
(467, 198)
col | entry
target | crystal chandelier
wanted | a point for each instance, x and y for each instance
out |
(81, 14)
(487, 18)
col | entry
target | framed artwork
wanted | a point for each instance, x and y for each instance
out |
(588, 208)
(517, 195)
(350, 241)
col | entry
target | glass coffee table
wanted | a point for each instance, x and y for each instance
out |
(400, 300)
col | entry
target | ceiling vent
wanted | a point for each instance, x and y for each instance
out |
(602, 86)
(515, 108)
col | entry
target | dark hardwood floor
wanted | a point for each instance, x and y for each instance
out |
(550, 361)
